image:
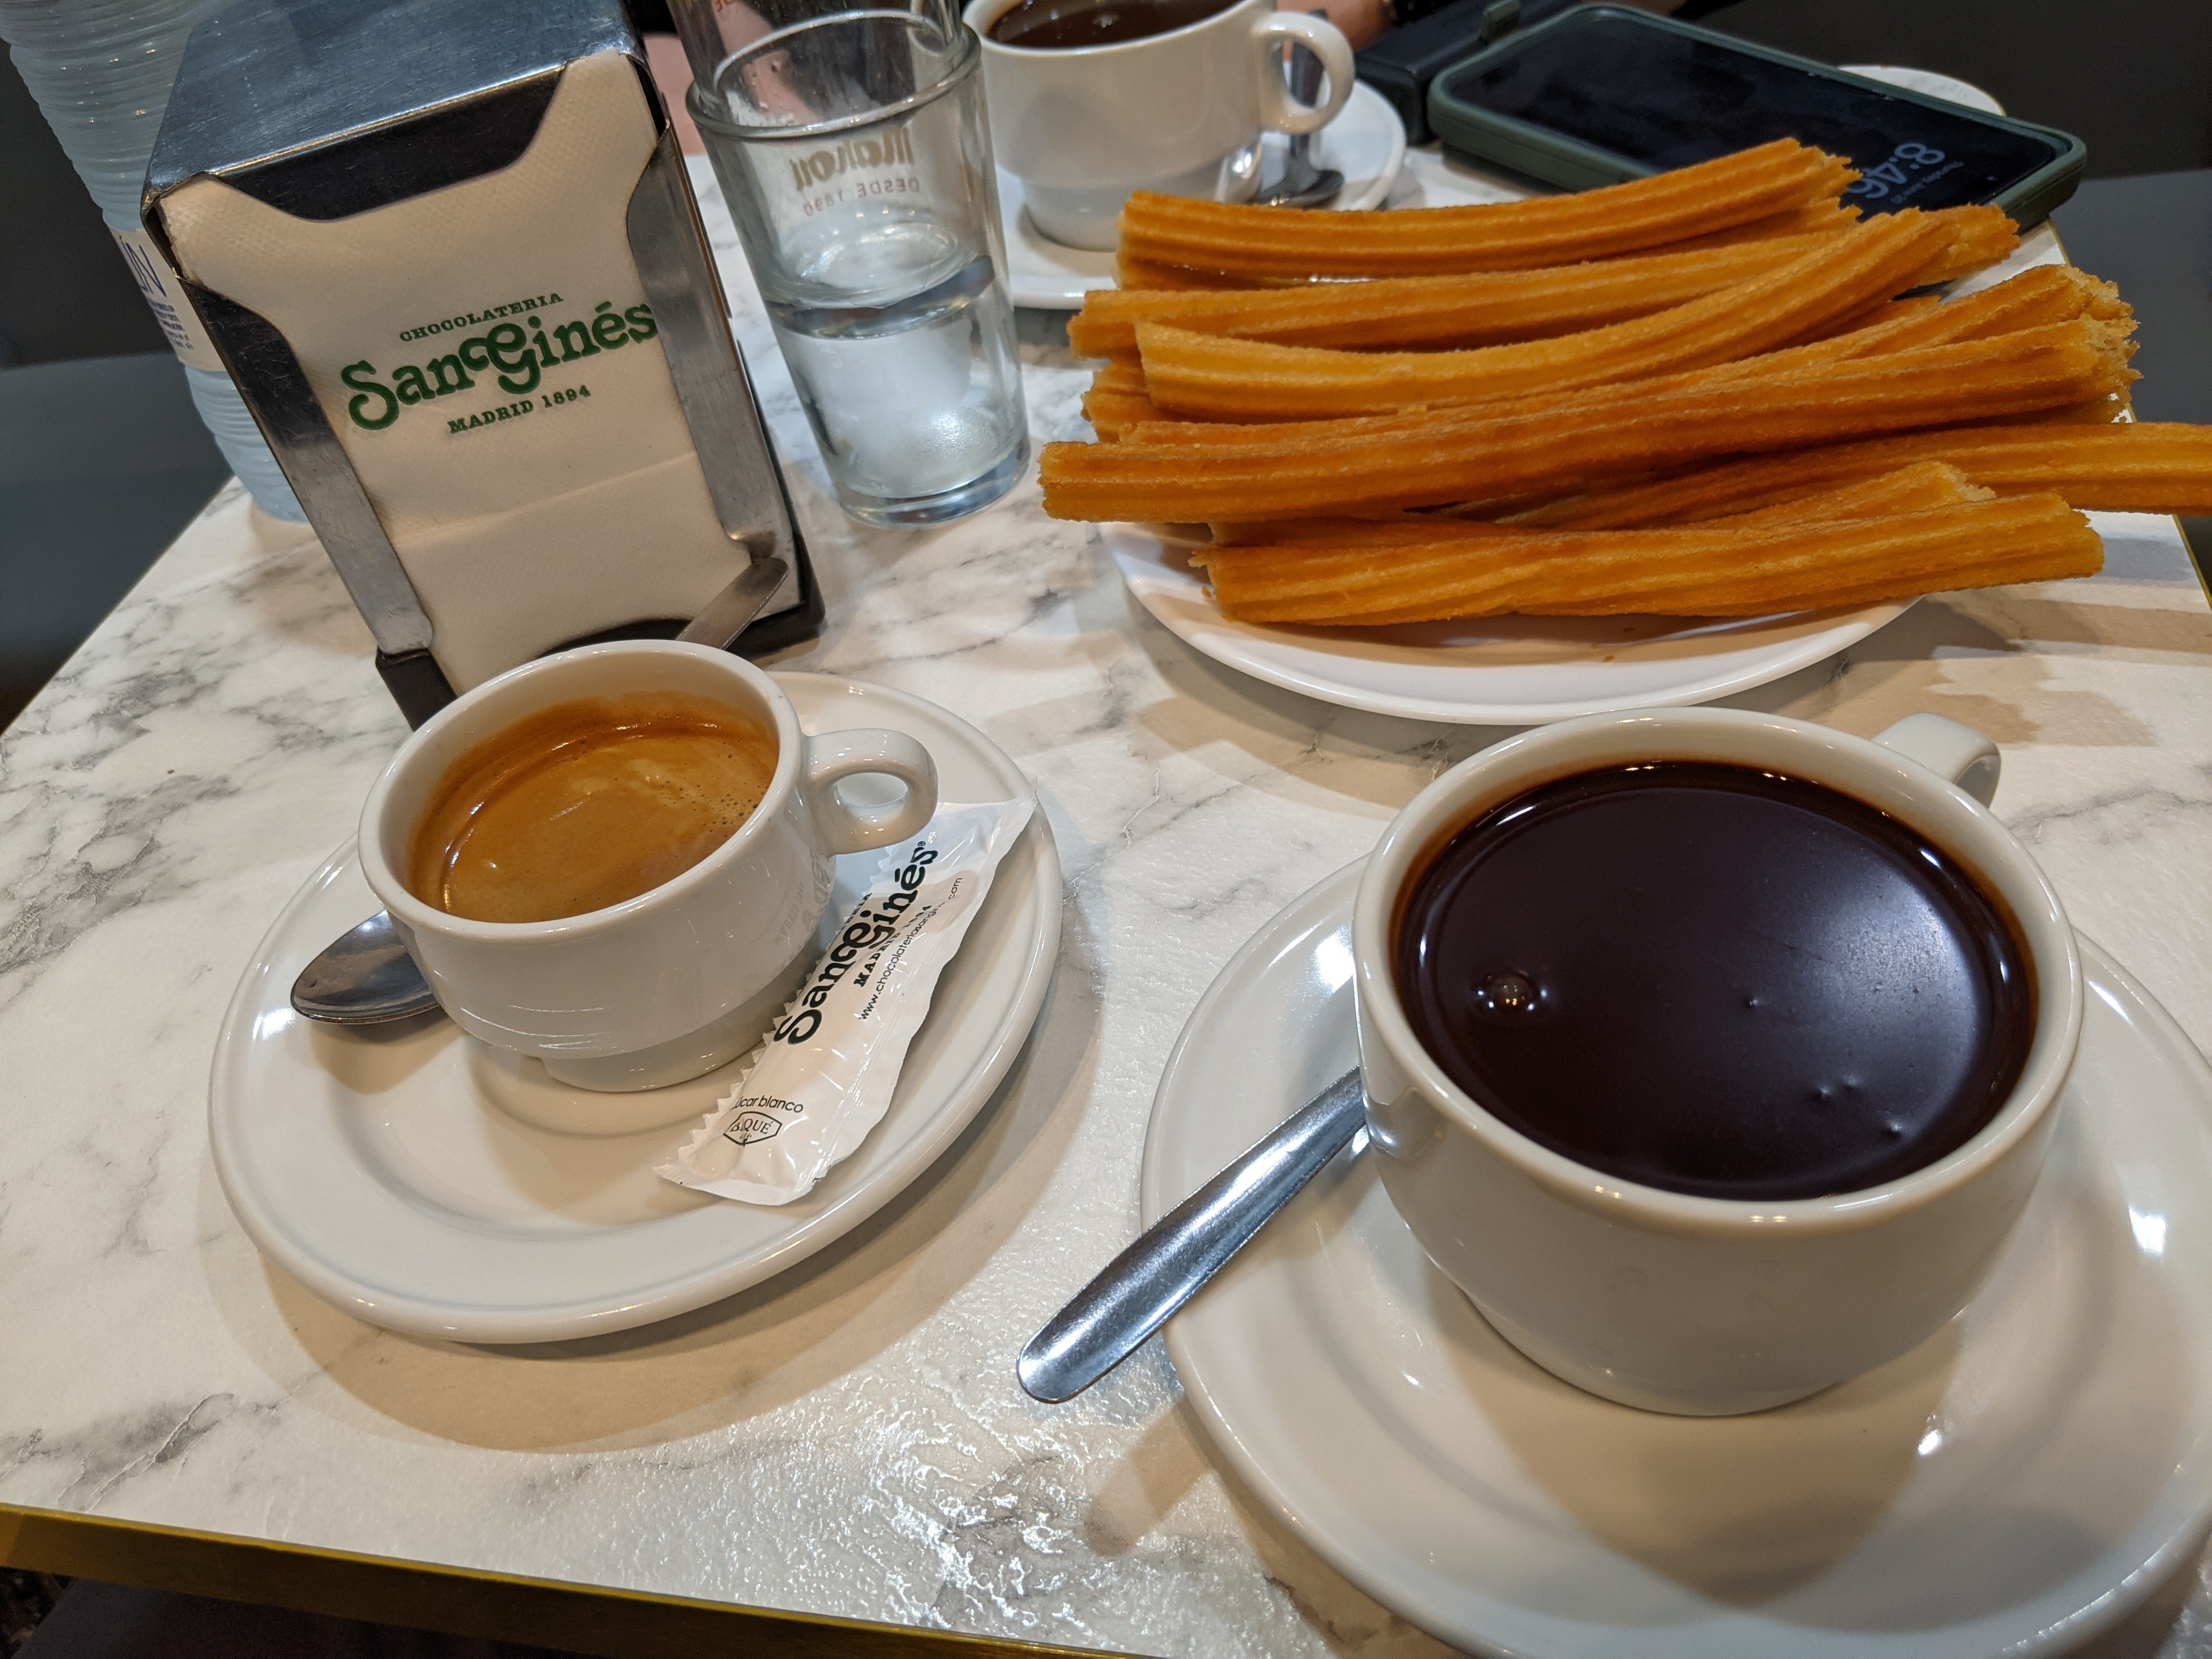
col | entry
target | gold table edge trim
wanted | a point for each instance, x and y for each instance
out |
(614, 1623)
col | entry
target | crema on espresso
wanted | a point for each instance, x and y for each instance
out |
(587, 803)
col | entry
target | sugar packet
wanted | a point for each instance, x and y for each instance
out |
(826, 1073)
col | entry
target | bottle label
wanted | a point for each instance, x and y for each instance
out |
(164, 295)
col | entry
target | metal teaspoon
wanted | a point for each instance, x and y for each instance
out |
(365, 976)
(1302, 184)
(1112, 1316)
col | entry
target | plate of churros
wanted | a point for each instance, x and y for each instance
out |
(1653, 443)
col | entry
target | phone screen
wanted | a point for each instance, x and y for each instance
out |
(1666, 98)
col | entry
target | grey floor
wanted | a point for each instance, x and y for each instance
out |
(112, 1621)
(102, 462)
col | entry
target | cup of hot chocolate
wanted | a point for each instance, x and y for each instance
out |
(1712, 1055)
(1091, 99)
(614, 860)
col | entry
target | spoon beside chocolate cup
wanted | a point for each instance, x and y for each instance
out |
(365, 976)
(1135, 1294)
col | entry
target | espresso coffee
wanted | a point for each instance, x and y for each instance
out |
(1715, 980)
(1056, 25)
(587, 803)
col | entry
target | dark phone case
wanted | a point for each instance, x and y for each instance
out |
(1402, 65)
(1485, 137)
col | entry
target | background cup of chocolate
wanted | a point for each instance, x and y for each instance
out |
(1090, 100)
(1713, 1054)
(614, 860)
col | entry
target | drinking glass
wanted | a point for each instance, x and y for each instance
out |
(852, 150)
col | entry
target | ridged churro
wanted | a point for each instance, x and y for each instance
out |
(1914, 488)
(1720, 195)
(1113, 413)
(1601, 432)
(1216, 378)
(1476, 308)
(2040, 295)
(1918, 488)
(1706, 570)
(2134, 466)
(1815, 218)
(2045, 295)
(1982, 234)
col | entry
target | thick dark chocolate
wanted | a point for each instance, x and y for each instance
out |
(1716, 980)
(1060, 24)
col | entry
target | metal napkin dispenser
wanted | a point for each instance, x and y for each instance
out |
(448, 252)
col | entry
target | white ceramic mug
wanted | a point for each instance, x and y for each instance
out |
(1707, 1306)
(686, 977)
(1083, 126)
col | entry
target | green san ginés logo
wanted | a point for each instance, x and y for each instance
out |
(517, 357)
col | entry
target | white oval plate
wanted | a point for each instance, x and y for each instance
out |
(1366, 143)
(2017, 1483)
(1930, 81)
(382, 1173)
(1500, 670)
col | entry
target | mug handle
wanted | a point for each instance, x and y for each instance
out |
(1279, 112)
(1949, 750)
(835, 756)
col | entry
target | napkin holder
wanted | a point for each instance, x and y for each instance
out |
(320, 170)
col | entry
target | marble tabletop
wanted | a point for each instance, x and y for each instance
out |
(847, 1438)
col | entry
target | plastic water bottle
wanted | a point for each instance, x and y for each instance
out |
(101, 71)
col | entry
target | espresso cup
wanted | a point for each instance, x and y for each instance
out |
(1690, 1304)
(689, 974)
(1083, 126)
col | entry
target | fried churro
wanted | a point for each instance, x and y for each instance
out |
(1479, 309)
(1981, 235)
(1111, 414)
(1123, 372)
(1815, 218)
(1242, 379)
(1707, 570)
(1719, 195)
(2046, 294)
(1914, 488)
(2040, 295)
(1601, 432)
(2132, 466)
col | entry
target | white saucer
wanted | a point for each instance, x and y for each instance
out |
(1366, 143)
(1502, 670)
(383, 1173)
(1930, 81)
(2018, 1483)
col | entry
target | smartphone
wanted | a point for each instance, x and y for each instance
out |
(1603, 94)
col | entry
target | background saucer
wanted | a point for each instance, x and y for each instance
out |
(2015, 1484)
(381, 1169)
(1366, 143)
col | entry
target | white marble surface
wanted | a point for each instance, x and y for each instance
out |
(849, 1438)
